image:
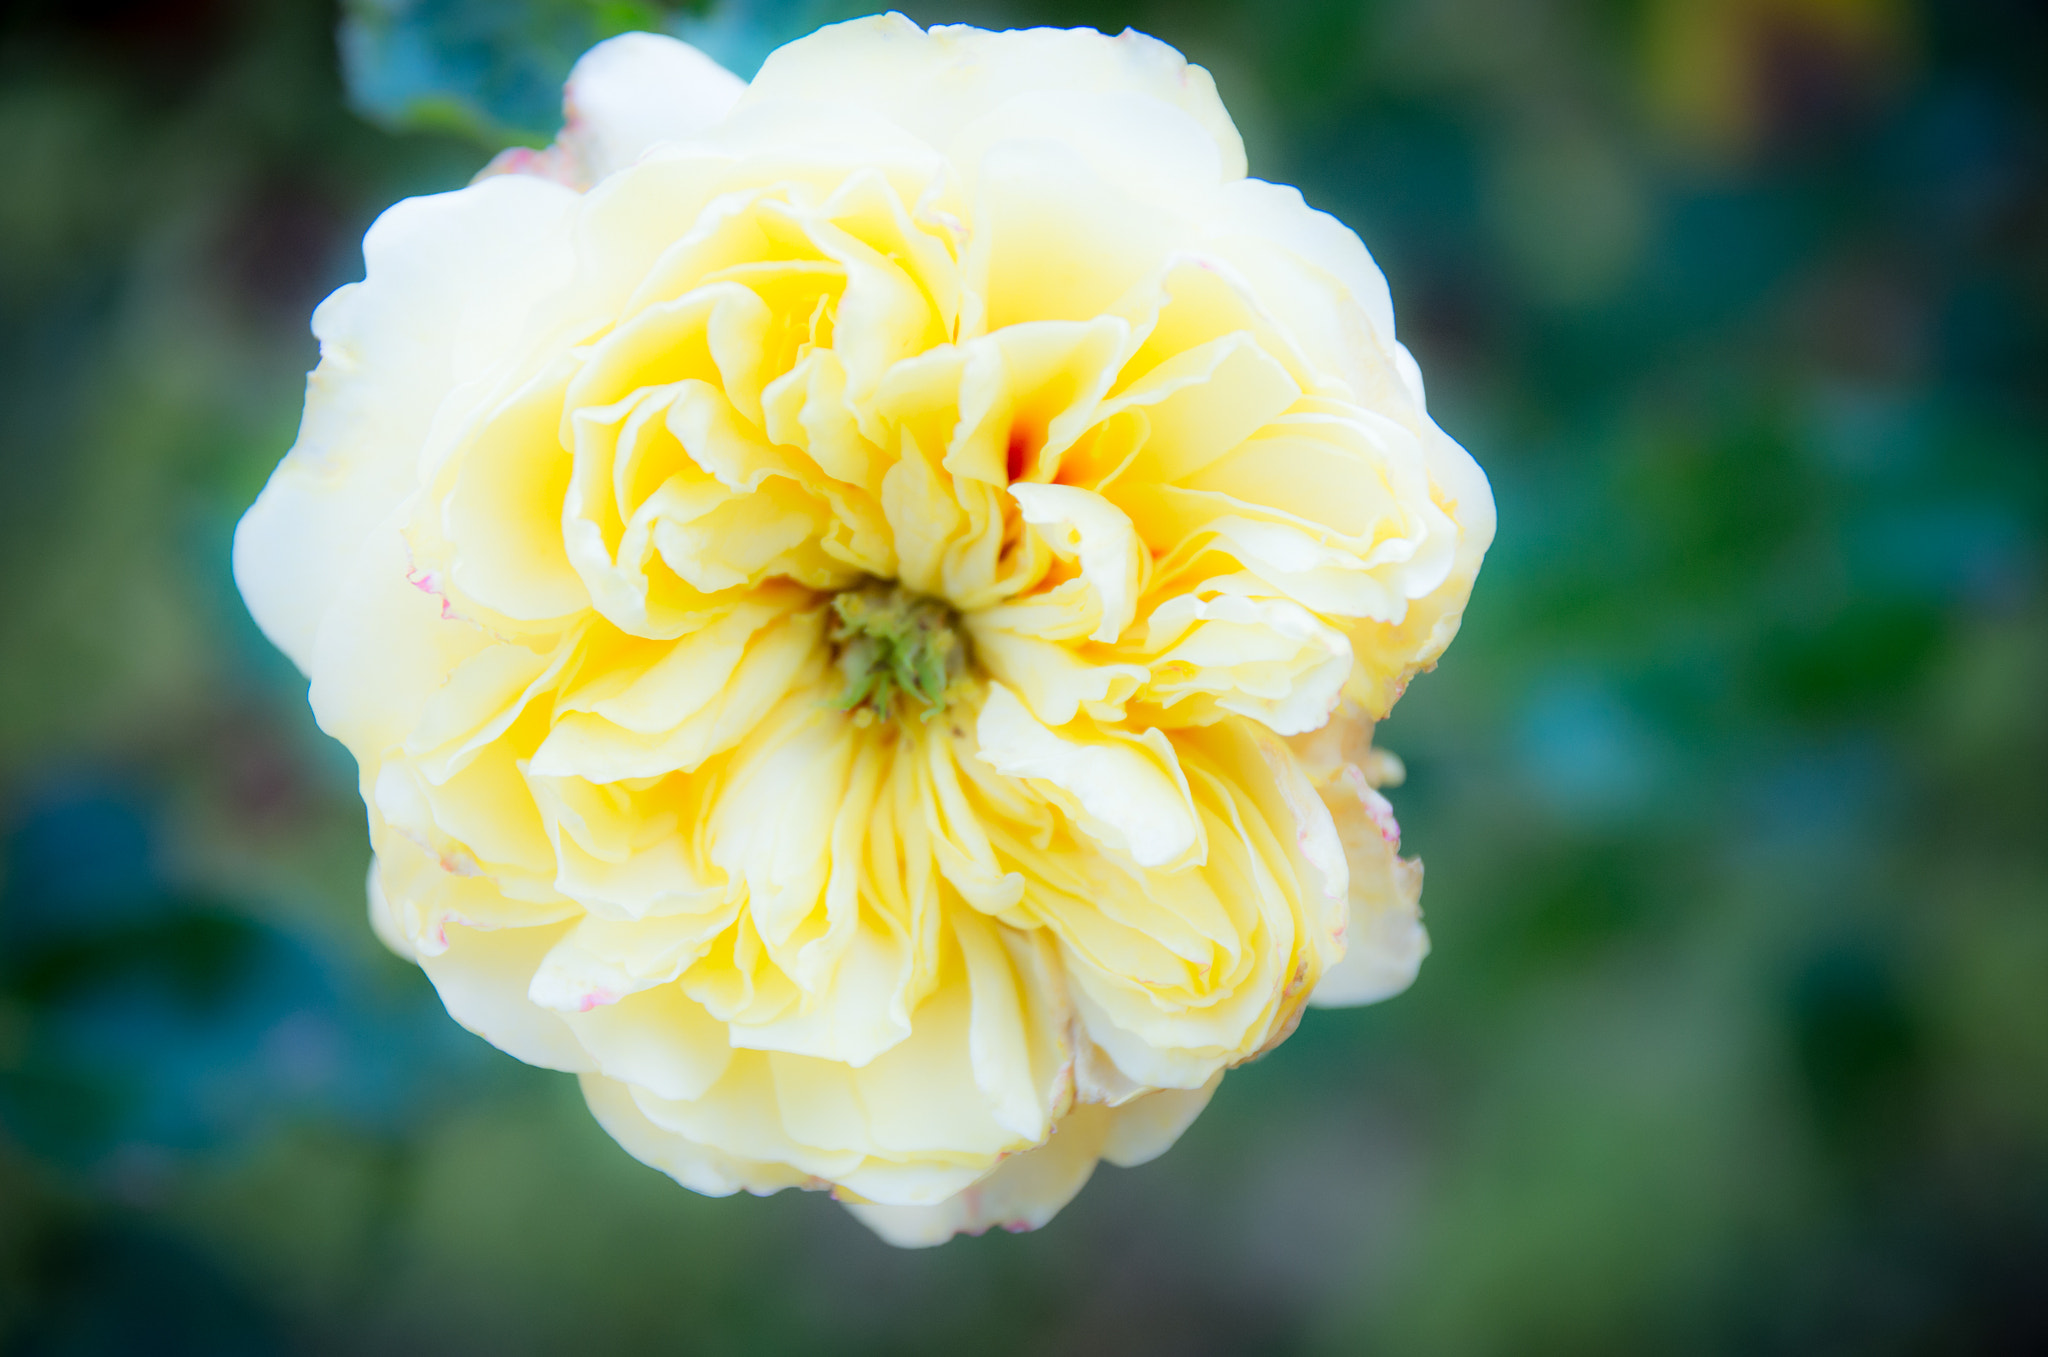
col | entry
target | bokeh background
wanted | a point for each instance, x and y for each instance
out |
(1734, 791)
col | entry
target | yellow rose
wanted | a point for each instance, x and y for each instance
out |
(860, 600)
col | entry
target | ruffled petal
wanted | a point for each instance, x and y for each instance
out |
(1127, 791)
(1025, 1193)
(450, 282)
(936, 85)
(624, 97)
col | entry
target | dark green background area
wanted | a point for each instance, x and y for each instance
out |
(1734, 791)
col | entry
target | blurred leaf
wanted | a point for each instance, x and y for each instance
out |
(491, 70)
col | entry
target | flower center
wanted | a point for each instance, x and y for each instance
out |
(894, 648)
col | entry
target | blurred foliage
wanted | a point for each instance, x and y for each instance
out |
(1735, 1038)
(490, 70)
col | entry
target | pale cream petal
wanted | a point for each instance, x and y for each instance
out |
(1150, 1049)
(1346, 738)
(1024, 1193)
(1384, 941)
(687, 675)
(1323, 866)
(697, 1167)
(779, 662)
(1355, 475)
(947, 820)
(602, 961)
(426, 886)
(1198, 405)
(868, 210)
(1276, 212)
(628, 473)
(386, 647)
(1198, 297)
(1391, 654)
(1144, 1128)
(503, 515)
(625, 855)
(636, 91)
(658, 1039)
(1025, 392)
(482, 977)
(481, 699)
(450, 281)
(936, 84)
(742, 1116)
(1327, 579)
(1128, 789)
(924, 515)
(856, 1018)
(1164, 942)
(998, 1032)
(1266, 658)
(917, 1101)
(1054, 681)
(382, 923)
(909, 1183)
(772, 826)
(1054, 242)
(1088, 528)
(481, 817)
(1269, 869)
(1123, 136)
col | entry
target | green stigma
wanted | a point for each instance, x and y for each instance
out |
(892, 643)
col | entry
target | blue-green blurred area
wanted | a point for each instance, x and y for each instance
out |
(1734, 791)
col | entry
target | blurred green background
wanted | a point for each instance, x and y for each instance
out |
(1734, 791)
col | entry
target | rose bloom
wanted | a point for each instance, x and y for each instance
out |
(860, 600)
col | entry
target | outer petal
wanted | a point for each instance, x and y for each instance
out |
(483, 977)
(936, 84)
(1384, 940)
(1144, 1128)
(450, 279)
(381, 922)
(1276, 212)
(625, 96)
(1023, 1193)
(697, 1167)
(1028, 1189)
(1390, 655)
(638, 90)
